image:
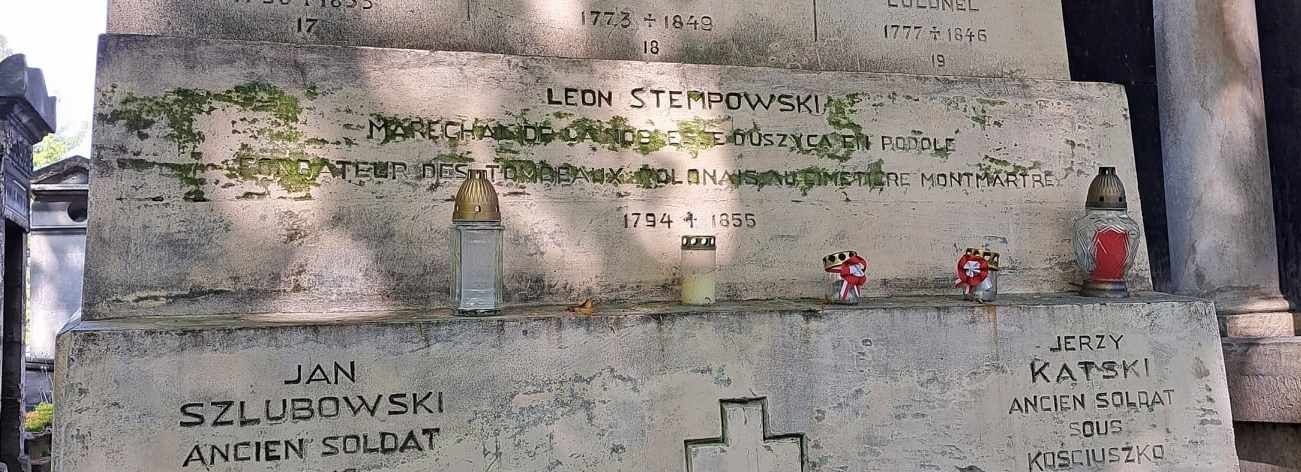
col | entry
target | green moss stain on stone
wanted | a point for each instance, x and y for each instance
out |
(993, 165)
(294, 171)
(176, 110)
(658, 140)
(268, 115)
(697, 134)
(454, 156)
(188, 174)
(842, 115)
(264, 98)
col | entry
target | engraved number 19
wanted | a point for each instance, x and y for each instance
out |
(937, 60)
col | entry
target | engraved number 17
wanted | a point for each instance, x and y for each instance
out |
(307, 25)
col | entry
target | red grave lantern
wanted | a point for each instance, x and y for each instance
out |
(1106, 238)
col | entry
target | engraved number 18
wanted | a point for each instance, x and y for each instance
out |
(650, 47)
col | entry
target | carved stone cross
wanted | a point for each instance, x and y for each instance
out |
(746, 444)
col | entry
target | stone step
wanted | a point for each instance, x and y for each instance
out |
(1265, 378)
(1029, 383)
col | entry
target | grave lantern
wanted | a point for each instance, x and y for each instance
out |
(699, 270)
(476, 247)
(1106, 238)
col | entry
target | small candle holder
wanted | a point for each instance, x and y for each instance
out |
(846, 275)
(987, 290)
(978, 275)
(699, 270)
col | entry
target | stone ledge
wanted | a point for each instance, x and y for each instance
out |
(1264, 378)
(958, 386)
(801, 306)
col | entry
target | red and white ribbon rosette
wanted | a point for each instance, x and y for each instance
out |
(972, 270)
(853, 273)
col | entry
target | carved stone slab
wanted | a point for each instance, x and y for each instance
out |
(1027, 385)
(990, 38)
(233, 177)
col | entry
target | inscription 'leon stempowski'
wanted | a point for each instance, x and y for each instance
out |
(345, 408)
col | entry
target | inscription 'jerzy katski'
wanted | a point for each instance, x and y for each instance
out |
(1079, 362)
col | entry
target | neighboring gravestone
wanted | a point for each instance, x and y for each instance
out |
(1030, 384)
(26, 117)
(317, 178)
(1003, 38)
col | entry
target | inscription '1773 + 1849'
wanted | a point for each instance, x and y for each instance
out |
(246, 415)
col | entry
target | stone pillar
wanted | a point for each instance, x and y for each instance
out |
(26, 116)
(1217, 177)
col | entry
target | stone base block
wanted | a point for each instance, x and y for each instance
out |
(1028, 383)
(1269, 447)
(1258, 325)
(1264, 378)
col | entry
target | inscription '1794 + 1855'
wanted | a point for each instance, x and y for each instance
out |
(244, 416)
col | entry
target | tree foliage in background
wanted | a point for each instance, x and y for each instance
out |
(39, 420)
(55, 146)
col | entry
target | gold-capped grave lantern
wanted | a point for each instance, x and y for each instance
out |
(1105, 239)
(476, 200)
(476, 247)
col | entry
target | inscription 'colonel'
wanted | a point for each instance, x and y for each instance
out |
(941, 5)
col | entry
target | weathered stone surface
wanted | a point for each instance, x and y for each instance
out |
(1004, 38)
(1268, 447)
(1265, 378)
(901, 384)
(316, 178)
(1214, 136)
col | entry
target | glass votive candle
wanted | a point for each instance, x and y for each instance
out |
(699, 270)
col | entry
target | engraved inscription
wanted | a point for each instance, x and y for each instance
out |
(1020, 38)
(251, 418)
(1106, 393)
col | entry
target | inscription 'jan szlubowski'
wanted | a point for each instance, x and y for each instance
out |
(241, 414)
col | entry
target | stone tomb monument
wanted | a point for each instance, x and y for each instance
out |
(262, 172)
(268, 245)
(989, 38)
